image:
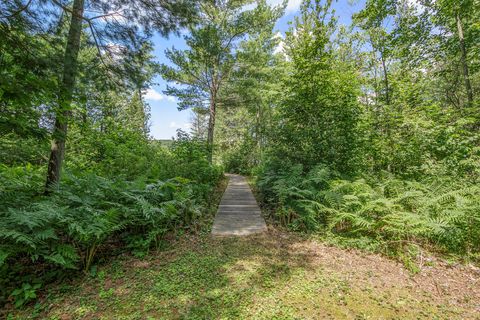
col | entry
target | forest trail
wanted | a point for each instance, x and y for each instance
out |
(238, 213)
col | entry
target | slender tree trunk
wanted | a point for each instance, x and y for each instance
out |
(387, 111)
(375, 85)
(385, 78)
(466, 78)
(65, 96)
(211, 127)
(141, 105)
(259, 133)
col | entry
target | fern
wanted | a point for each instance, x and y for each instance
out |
(34, 231)
(392, 209)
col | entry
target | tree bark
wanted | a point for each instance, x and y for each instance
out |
(63, 111)
(211, 127)
(466, 78)
(385, 78)
(259, 130)
(141, 110)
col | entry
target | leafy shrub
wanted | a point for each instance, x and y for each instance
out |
(189, 160)
(241, 158)
(390, 210)
(25, 293)
(35, 232)
(68, 228)
(120, 153)
(16, 149)
(163, 206)
(19, 184)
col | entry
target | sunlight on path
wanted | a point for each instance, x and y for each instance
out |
(238, 213)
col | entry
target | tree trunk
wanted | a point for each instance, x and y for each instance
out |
(385, 78)
(63, 111)
(259, 131)
(142, 112)
(466, 78)
(211, 127)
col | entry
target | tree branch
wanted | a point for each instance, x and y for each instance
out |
(20, 10)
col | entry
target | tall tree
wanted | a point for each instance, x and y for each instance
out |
(317, 121)
(458, 18)
(372, 20)
(202, 70)
(65, 94)
(250, 99)
(118, 24)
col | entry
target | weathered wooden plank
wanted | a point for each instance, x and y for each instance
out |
(238, 213)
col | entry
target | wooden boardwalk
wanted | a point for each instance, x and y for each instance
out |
(238, 213)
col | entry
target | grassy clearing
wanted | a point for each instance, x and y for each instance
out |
(274, 276)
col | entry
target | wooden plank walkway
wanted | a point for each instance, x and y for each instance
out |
(238, 213)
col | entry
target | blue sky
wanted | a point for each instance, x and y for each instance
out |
(165, 117)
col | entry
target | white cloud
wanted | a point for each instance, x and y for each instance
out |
(183, 126)
(151, 94)
(292, 6)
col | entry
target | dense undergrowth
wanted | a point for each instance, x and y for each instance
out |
(366, 134)
(105, 209)
(357, 137)
(381, 213)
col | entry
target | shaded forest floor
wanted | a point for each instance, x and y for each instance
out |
(272, 276)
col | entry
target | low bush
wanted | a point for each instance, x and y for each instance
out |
(88, 212)
(438, 212)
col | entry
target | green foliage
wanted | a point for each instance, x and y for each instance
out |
(117, 184)
(25, 293)
(189, 159)
(205, 68)
(34, 232)
(366, 133)
(373, 136)
(69, 228)
(18, 184)
(240, 159)
(164, 206)
(245, 122)
(392, 211)
(317, 118)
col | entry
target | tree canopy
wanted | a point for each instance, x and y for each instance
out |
(366, 133)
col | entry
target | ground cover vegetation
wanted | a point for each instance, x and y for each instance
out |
(272, 276)
(80, 176)
(364, 135)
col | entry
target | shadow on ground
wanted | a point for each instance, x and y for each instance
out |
(270, 276)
